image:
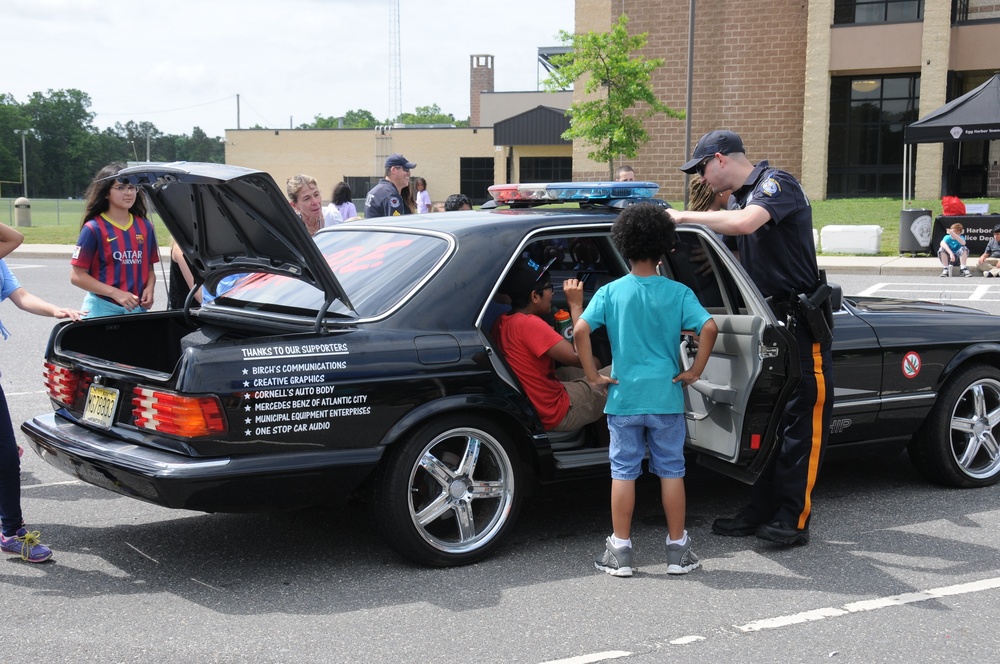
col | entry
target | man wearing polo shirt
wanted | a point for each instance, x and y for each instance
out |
(385, 198)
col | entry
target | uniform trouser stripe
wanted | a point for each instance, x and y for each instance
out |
(816, 448)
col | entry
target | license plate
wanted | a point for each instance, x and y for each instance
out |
(100, 408)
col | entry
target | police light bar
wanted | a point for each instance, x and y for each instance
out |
(567, 192)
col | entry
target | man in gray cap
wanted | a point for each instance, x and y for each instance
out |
(772, 222)
(385, 199)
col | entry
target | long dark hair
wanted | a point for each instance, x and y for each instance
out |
(99, 190)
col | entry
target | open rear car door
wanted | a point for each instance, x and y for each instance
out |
(733, 411)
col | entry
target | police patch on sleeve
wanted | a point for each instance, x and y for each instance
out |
(770, 187)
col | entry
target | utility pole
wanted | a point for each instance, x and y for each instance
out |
(24, 160)
(395, 68)
(690, 94)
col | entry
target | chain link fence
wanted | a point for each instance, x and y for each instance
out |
(46, 211)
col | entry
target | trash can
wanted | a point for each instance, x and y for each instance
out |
(915, 227)
(22, 212)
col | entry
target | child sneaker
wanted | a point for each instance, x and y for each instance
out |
(965, 272)
(26, 544)
(944, 272)
(681, 559)
(614, 560)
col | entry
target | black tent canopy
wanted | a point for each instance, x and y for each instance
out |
(975, 116)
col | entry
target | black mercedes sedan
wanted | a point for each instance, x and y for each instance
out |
(360, 361)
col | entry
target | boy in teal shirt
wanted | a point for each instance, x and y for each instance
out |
(644, 314)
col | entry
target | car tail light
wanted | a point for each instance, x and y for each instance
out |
(177, 415)
(62, 383)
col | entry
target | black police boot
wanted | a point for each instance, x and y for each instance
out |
(740, 525)
(780, 532)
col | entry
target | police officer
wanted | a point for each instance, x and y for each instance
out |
(385, 199)
(771, 218)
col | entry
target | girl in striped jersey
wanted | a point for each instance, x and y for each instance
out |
(114, 256)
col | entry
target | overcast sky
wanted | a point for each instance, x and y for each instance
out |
(181, 63)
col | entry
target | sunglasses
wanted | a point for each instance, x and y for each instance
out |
(702, 165)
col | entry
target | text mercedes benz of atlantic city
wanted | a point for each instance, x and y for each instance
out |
(361, 361)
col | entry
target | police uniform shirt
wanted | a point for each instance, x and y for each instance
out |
(384, 200)
(780, 256)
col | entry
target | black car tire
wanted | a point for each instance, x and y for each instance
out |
(450, 492)
(958, 444)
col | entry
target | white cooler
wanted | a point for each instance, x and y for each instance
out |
(851, 239)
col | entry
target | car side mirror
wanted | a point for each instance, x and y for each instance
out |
(836, 296)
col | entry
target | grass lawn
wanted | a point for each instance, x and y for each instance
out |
(58, 221)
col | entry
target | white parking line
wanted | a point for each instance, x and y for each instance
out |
(591, 658)
(980, 292)
(953, 290)
(814, 615)
(873, 289)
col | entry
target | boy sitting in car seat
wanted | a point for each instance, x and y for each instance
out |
(562, 397)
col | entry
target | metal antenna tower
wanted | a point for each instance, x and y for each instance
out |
(395, 58)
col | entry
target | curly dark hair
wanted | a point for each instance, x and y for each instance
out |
(455, 202)
(643, 231)
(341, 193)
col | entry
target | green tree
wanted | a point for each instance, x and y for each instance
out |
(200, 147)
(615, 82)
(12, 118)
(360, 119)
(61, 132)
(430, 115)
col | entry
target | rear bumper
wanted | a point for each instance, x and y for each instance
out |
(241, 483)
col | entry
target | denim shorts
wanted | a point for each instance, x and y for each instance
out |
(630, 435)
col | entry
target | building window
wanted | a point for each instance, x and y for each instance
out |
(546, 169)
(966, 11)
(877, 11)
(867, 117)
(475, 176)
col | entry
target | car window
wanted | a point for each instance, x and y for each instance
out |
(376, 269)
(697, 264)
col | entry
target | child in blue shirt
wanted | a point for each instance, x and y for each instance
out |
(952, 247)
(644, 314)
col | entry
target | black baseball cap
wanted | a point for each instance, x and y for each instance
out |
(996, 229)
(721, 140)
(396, 159)
(527, 275)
